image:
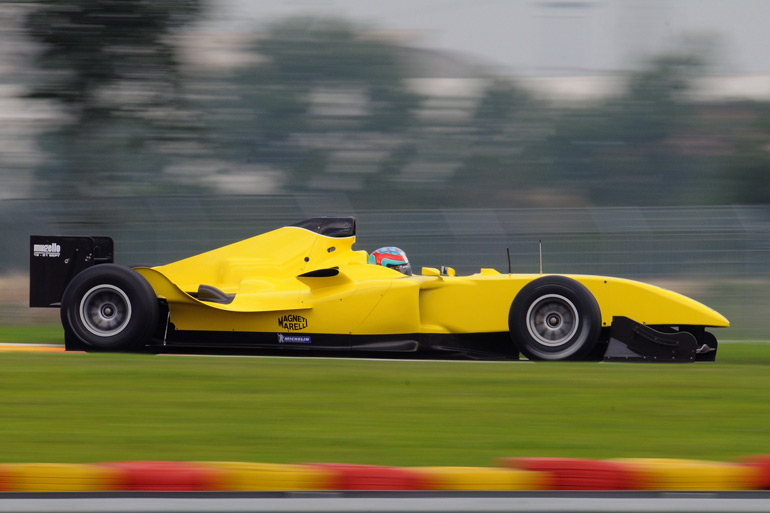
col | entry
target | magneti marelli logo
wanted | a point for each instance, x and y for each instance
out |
(292, 322)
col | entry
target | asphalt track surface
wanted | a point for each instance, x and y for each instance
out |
(385, 502)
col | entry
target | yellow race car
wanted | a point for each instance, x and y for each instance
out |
(305, 287)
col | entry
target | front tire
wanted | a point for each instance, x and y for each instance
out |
(555, 318)
(109, 307)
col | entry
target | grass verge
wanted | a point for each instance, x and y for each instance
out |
(41, 334)
(101, 407)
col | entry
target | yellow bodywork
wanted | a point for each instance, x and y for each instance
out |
(264, 273)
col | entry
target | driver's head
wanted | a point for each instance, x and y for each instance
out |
(391, 257)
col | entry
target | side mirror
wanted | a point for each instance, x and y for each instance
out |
(431, 271)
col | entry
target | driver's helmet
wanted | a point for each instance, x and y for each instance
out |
(391, 257)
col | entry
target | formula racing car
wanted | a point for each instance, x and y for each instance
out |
(304, 287)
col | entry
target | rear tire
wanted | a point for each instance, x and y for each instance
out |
(109, 307)
(555, 318)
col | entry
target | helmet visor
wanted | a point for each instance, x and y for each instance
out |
(402, 268)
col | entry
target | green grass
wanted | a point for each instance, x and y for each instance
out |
(100, 407)
(41, 334)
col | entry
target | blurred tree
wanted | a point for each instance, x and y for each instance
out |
(498, 107)
(746, 177)
(505, 122)
(623, 151)
(321, 101)
(110, 65)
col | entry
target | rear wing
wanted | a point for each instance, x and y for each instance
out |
(55, 260)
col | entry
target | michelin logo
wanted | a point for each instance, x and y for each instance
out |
(46, 250)
(293, 339)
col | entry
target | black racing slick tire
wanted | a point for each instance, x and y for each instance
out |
(555, 318)
(109, 307)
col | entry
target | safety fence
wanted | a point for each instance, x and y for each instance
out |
(529, 473)
(692, 241)
(719, 255)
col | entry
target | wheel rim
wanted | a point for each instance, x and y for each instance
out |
(552, 320)
(105, 310)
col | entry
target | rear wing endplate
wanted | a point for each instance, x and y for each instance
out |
(55, 260)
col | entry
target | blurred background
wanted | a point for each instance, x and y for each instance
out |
(631, 137)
